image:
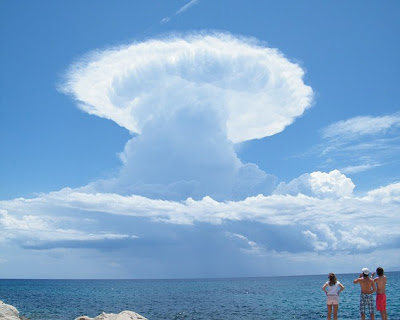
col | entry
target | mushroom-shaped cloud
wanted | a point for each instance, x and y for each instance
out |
(256, 90)
(189, 99)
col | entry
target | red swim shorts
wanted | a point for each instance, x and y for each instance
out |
(381, 302)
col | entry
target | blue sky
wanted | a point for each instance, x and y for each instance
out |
(170, 139)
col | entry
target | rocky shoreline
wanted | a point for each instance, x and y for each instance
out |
(9, 312)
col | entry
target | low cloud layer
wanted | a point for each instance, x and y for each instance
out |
(31, 231)
(149, 237)
(331, 220)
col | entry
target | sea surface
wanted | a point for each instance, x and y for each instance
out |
(297, 297)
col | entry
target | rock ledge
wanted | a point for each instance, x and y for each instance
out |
(9, 312)
(124, 315)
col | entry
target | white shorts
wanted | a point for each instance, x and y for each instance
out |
(332, 300)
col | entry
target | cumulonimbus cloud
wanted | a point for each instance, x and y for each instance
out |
(256, 90)
(189, 99)
(193, 97)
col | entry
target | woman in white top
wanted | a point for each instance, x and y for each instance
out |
(332, 288)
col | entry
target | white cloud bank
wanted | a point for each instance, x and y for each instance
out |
(339, 222)
(33, 231)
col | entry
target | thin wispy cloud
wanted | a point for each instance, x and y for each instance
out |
(361, 126)
(187, 6)
(180, 11)
(358, 168)
(359, 144)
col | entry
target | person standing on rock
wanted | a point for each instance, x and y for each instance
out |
(380, 282)
(367, 289)
(332, 289)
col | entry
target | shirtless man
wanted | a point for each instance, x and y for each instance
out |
(380, 282)
(367, 289)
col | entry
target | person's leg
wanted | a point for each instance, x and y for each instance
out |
(329, 311)
(372, 316)
(335, 311)
(381, 305)
(371, 307)
(362, 307)
(383, 308)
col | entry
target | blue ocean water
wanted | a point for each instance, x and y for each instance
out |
(298, 297)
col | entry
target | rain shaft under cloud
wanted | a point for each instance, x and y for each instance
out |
(187, 100)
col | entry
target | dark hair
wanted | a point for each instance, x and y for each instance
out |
(379, 271)
(332, 279)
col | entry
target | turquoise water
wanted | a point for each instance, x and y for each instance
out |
(203, 299)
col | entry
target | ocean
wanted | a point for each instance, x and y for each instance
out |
(295, 297)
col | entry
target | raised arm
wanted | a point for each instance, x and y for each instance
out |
(373, 286)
